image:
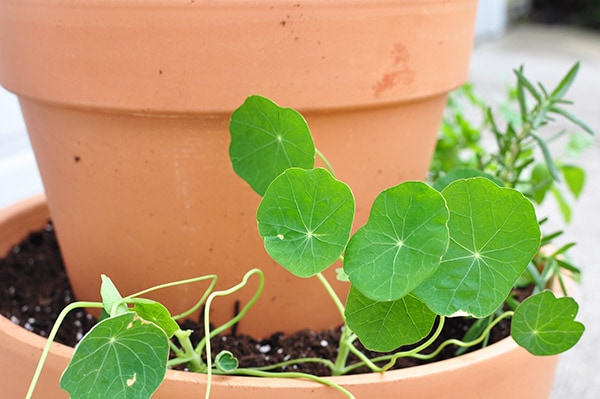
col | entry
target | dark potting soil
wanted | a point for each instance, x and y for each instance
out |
(34, 288)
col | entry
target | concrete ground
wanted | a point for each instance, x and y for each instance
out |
(547, 53)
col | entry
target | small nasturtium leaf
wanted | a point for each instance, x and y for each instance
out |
(226, 362)
(305, 219)
(494, 234)
(156, 313)
(120, 357)
(110, 296)
(402, 243)
(385, 326)
(545, 325)
(266, 140)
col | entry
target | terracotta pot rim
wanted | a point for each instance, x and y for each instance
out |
(37, 343)
(237, 3)
(391, 65)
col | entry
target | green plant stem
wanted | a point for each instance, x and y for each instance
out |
(345, 347)
(188, 354)
(327, 363)
(198, 304)
(346, 340)
(52, 336)
(176, 350)
(334, 296)
(325, 161)
(391, 359)
(457, 342)
(240, 315)
(209, 334)
(266, 374)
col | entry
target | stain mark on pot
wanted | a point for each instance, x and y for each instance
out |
(399, 72)
(160, 72)
(77, 158)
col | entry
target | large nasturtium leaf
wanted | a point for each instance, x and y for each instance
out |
(402, 243)
(305, 220)
(385, 326)
(266, 140)
(494, 233)
(156, 313)
(120, 357)
(545, 325)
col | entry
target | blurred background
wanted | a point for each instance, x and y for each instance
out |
(547, 37)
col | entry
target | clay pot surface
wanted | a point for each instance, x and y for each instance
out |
(502, 370)
(127, 105)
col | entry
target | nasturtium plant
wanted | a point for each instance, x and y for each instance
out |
(402, 243)
(494, 234)
(122, 357)
(545, 325)
(425, 254)
(266, 140)
(305, 220)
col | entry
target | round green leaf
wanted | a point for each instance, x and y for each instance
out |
(544, 324)
(385, 326)
(120, 357)
(494, 233)
(305, 220)
(266, 140)
(226, 362)
(156, 313)
(402, 243)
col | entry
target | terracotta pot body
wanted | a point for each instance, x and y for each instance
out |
(500, 371)
(127, 105)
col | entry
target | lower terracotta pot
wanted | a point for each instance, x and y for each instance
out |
(502, 370)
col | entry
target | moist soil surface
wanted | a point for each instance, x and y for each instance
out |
(34, 288)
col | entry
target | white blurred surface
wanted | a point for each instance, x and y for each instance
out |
(19, 177)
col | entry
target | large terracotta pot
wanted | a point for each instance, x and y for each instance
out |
(500, 371)
(127, 105)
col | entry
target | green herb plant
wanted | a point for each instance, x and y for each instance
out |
(508, 142)
(426, 254)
